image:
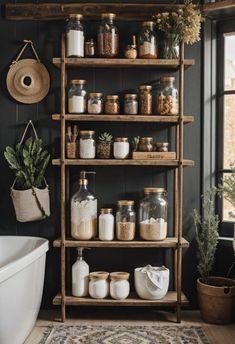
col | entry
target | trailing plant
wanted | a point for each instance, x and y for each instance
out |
(135, 143)
(206, 228)
(227, 189)
(29, 161)
(105, 138)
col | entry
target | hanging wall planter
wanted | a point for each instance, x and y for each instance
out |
(29, 192)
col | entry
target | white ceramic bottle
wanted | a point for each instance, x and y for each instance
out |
(80, 276)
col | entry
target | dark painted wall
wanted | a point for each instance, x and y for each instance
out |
(111, 183)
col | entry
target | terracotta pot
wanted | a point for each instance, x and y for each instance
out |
(217, 300)
(104, 150)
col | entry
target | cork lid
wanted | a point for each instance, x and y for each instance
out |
(77, 82)
(106, 210)
(148, 23)
(108, 15)
(121, 139)
(95, 94)
(125, 202)
(76, 15)
(167, 78)
(112, 96)
(99, 275)
(87, 132)
(119, 276)
(131, 95)
(145, 87)
(154, 190)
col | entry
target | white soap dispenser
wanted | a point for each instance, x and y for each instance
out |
(80, 276)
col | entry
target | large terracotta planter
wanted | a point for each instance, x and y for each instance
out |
(217, 300)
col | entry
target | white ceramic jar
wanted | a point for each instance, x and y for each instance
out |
(106, 224)
(121, 148)
(99, 285)
(119, 285)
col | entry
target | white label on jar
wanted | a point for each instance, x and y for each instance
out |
(77, 104)
(148, 48)
(75, 43)
(87, 149)
(106, 227)
(121, 150)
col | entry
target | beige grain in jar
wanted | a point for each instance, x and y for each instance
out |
(125, 220)
(145, 100)
(167, 97)
(112, 106)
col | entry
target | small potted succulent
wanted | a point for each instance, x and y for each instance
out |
(104, 146)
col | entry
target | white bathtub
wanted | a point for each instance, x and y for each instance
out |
(22, 270)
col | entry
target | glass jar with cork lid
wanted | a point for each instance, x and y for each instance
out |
(167, 97)
(87, 146)
(95, 103)
(108, 37)
(145, 100)
(131, 104)
(112, 105)
(125, 220)
(153, 214)
(148, 41)
(77, 96)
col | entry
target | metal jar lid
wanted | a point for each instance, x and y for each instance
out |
(154, 190)
(77, 82)
(108, 15)
(148, 23)
(145, 87)
(131, 95)
(87, 132)
(77, 16)
(95, 94)
(125, 202)
(121, 139)
(106, 210)
(146, 139)
(113, 97)
(167, 78)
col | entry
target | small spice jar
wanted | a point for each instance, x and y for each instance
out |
(99, 285)
(108, 37)
(106, 224)
(125, 220)
(112, 106)
(119, 285)
(153, 214)
(131, 104)
(145, 99)
(162, 146)
(90, 48)
(95, 103)
(74, 36)
(167, 97)
(131, 49)
(121, 148)
(148, 41)
(77, 97)
(146, 144)
(87, 144)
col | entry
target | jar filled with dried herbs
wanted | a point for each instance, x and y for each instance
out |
(167, 97)
(108, 37)
(145, 99)
(112, 106)
(148, 41)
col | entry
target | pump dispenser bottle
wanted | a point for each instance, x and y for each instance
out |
(80, 276)
(83, 211)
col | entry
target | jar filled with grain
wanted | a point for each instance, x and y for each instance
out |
(131, 104)
(74, 36)
(125, 220)
(167, 97)
(108, 37)
(95, 103)
(153, 214)
(87, 146)
(77, 97)
(148, 41)
(146, 144)
(112, 105)
(145, 100)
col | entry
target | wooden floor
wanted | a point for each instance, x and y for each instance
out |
(216, 334)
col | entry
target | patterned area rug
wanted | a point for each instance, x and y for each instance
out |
(64, 334)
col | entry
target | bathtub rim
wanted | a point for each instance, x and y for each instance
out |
(19, 264)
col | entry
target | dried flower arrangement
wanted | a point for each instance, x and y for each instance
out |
(184, 22)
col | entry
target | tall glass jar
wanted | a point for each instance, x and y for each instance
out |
(87, 144)
(153, 214)
(112, 105)
(145, 100)
(131, 104)
(77, 97)
(74, 36)
(148, 41)
(108, 37)
(95, 103)
(167, 97)
(125, 220)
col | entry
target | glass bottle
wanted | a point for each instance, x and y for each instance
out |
(95, 103)
(167, 97)
(87, 145)
(131, 104)
(145, 100)
(153, 214)
(74, 36)
(108, 37)
(148, 41)
(77, 97)
(80, 276)
(83, 211)
(125, 220)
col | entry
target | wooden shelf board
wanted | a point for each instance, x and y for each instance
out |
(121, 63)
(167, 243)
(133, 300)
(219, 9)
(126, 162)
(90, 11)
(122, 118)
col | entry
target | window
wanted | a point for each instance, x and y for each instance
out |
(225, 115)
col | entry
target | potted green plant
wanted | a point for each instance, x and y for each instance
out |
(216, 295)
(135, 143)
(29, 192)
(104, 146)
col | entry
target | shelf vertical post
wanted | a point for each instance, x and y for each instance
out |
(63, 180)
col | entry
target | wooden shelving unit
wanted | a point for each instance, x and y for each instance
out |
(124, 12)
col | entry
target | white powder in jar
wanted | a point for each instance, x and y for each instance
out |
(106, 227)
(153, 229)
(77, 104)
(87, 148)
(121, 150)
(75, 43)
(94, 107)
(83, 219)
